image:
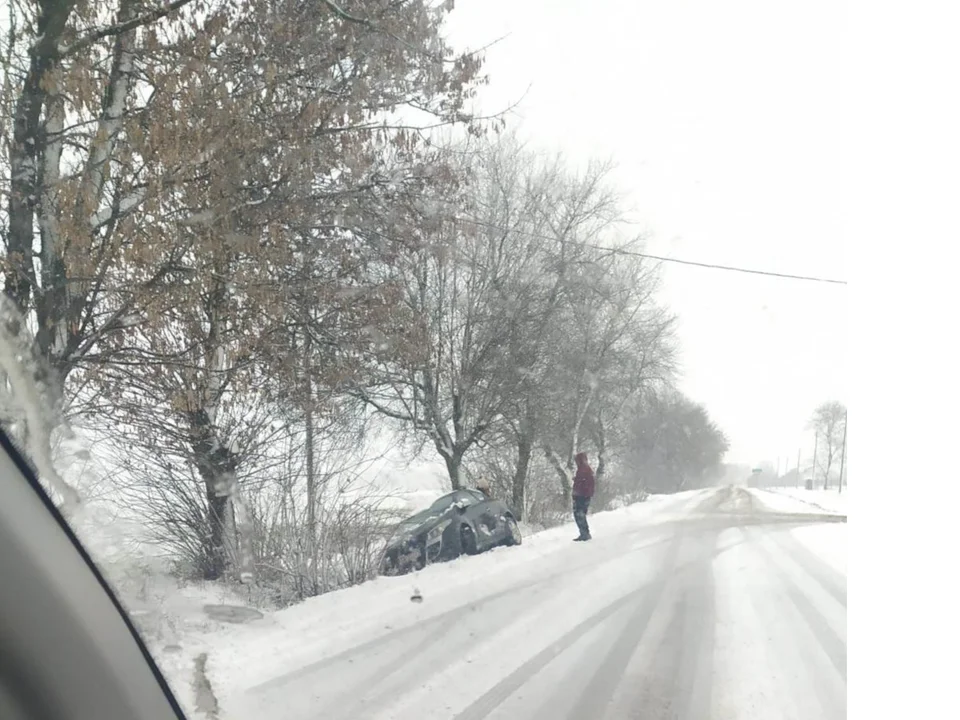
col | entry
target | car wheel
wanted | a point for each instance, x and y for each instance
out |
(468, 540)
(421, 561)
(514, 537)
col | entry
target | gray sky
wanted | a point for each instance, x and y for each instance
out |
(725, 122)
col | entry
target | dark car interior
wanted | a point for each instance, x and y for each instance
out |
(68, 651)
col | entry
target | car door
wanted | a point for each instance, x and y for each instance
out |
(491, 526)
(471, 510)
(500, 511)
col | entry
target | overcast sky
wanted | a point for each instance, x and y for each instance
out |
(724, 120)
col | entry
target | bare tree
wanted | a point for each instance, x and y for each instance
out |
(482, 287)
(350, 522)
(828, 422)
(616, 341)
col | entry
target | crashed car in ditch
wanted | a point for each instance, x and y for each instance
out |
(461, 522)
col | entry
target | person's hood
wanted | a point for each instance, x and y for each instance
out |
(581, 459)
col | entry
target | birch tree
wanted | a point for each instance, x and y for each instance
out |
(127, 122)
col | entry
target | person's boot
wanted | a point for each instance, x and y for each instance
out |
(581, 538)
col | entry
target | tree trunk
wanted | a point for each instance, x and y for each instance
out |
(453, 462)
(217, 466)
(311, 498)
(831, 451)
(564, 472)
(214, 559)
(311, 470)
(519, 489)
(25, 151)
(601, 449)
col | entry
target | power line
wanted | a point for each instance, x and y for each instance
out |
(735, 269)
(663, 258)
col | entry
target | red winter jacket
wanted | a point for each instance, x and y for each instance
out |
(584, 483)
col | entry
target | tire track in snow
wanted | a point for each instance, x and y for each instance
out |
(828, 577)
(676, 592)
(821, 652)
(698, 646)
(387, 668)
(438, 622)
(363, 682)
(380, 682)
(417, 625)
(674, 681)
(688, 644)
(607, 677)
(832, 645)
(492, 698)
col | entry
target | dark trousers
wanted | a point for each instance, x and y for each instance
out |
(580, 507)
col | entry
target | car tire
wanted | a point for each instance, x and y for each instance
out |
(468, 540)
(421, 561)
(514, 537)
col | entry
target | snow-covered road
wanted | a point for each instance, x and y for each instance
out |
(705, 606)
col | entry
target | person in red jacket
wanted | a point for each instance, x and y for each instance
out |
(584, 483)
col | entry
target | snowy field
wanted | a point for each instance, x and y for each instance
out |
(829, 501)
(666, 583)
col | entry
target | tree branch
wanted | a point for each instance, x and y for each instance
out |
(343, 14)
(123, 27)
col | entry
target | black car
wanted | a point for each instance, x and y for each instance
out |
(464, 521)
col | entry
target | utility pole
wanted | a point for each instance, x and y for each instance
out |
(843, 453)
(816, 437)
(798, 466)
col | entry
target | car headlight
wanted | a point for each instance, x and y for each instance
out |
(437, 532)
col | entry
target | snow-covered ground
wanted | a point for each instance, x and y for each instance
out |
(176, 623)
(814, 501)
(320, 627)
(699, 604)
(780, 632)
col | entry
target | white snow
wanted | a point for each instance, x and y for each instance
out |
(798, 500)
(828, 542)
(285, 641)
(766, 660)
(547, 603)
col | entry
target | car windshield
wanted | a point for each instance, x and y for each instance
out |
(283, 280)
(439, 507)
(446, 502)
(425, 516)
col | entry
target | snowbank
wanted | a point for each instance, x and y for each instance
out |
(828, 540)
(798, 500)
(172, 616)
